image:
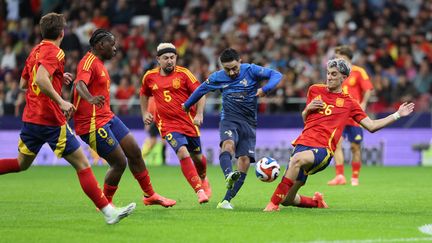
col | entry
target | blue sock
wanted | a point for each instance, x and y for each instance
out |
(231, 193)
(225, 162)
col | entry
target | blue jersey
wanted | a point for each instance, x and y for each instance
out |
(239, 100)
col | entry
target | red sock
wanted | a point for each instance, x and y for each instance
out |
(355, 169)
(281, 190)
(9, 166)
(109, 192)
(340, 169)
(190, 173)
(201, 167)
(143, 179)
(91, 187)
(307, 202)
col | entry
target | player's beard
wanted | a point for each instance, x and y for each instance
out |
(168, 69)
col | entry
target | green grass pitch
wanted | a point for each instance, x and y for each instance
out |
(46, 204)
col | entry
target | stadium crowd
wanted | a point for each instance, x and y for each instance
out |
(391, 39)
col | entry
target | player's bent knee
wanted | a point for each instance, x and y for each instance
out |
(78, 159)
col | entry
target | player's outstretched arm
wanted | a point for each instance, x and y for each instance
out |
(43, 81)
(374, 125)
(195, 97)
(98, 100)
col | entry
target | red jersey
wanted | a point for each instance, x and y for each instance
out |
(169, 93)
(40, 109)
(93, 73)
(356, 85)
(323, 128)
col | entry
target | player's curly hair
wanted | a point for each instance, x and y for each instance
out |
(340, 64)
(98, 36)
(229, 55)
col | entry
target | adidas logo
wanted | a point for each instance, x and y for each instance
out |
(103, 74)
(155, 87)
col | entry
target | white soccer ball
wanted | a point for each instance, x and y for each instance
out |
(267, 169)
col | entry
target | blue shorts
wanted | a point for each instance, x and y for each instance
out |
(105, 139)
(60, 138)
(353, 134)
(321, 161)
(176, 140)
(243, 135)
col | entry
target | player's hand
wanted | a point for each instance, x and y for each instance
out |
(198, 119)
(315, 105)
(405, 109)
(260, 93)
(148, 118)
(184, 108)
(98, 100)
(67, 78)
(68, 109)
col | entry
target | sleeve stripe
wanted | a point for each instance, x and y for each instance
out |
(188, 73)
(60, 55)
(154, 70)
(89, 62)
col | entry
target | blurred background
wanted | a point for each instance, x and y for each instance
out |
(391, 39)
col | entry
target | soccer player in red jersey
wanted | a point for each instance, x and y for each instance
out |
(97, 125)
(45, 114)
(325, 115)
(360, 88)
(171, 85)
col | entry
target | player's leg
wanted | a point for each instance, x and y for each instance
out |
(356, 139)
(228, 137)
(200, 162)
(64, 144)
(178, 143)
(130, 153)
(243, 166)
(104, 142)
(91, 188)
(339, 165)
(29, 145)
(304, 158)
(356, 163)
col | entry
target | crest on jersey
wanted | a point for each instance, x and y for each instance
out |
(229, 133)
(110, 141)
(318, 97)
(176, 83)
(339, 102)
(244, 82)
(155, 87)
(352, 81)
(173, 142)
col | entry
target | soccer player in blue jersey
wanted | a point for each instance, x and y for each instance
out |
(239, 85)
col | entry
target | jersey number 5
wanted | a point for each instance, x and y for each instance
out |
(167, 96)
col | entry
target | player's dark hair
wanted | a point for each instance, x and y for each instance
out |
(344, 50)
(52, 25)
(98, 36)
(229, 55)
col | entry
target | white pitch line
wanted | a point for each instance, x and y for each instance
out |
(372, 240)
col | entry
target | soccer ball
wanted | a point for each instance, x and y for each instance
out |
(267, 169)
